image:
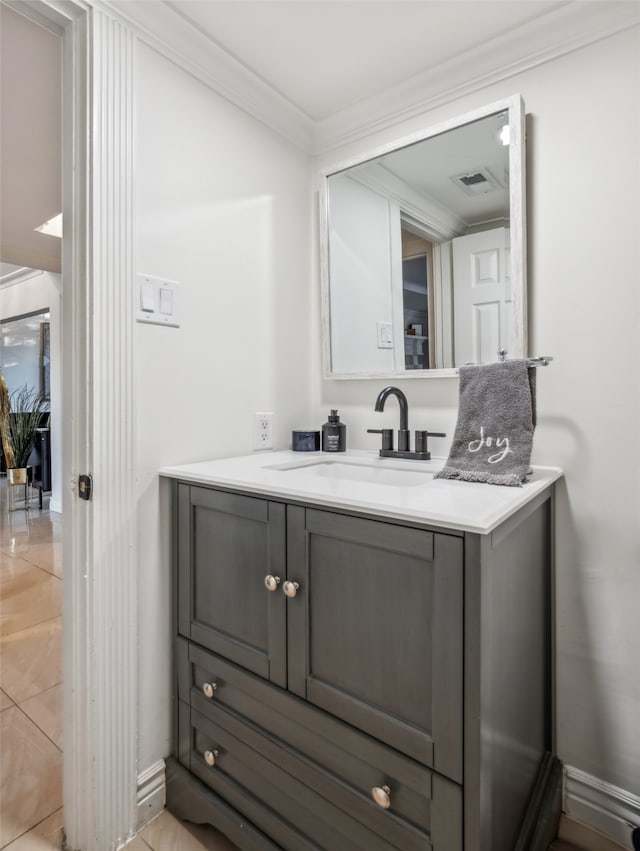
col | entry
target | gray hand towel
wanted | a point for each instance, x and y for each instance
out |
(496, 418)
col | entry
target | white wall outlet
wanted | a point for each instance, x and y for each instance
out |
(263, 431)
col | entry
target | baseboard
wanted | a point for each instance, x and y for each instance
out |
(55, 505)
(602, 806)
(151, 793)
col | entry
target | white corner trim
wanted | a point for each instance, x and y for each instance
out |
(151, 792)
(100, 599)
(602, 806)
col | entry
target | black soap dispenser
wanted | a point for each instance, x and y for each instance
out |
(334, 434)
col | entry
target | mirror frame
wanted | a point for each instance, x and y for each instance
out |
(517, 225)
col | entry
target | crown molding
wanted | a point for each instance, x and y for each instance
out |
(176, 37)
(18, 277)
(564, 29)
(440, 222)
(559, 32)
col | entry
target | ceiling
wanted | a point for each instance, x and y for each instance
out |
(324, 56)
(430, 168)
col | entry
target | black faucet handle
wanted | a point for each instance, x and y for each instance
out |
(387, 436)
(422, 439)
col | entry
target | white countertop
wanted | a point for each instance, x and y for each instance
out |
(362, 481)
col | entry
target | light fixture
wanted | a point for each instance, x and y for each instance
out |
(52, 227)
(504, 134)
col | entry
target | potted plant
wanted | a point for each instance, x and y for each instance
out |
(20, 416)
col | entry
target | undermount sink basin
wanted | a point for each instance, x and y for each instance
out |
(375, 473)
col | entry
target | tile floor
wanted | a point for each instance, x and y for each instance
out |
(30, 677)
(31, 815)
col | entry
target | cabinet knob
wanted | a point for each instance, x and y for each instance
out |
(271, 582)
(290, 588)
(382, 796)
(210, 757)
(209, 689)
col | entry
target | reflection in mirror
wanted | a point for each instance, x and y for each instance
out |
(424, 268)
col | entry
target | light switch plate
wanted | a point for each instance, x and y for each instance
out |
(158, 301)
(384, 332)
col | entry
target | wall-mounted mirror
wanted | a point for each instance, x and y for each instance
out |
(423, 250)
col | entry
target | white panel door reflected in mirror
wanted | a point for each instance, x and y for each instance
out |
(426, 237)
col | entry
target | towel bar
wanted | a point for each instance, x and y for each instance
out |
(543, 360)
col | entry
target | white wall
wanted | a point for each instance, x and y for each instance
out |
(360, 228)
(39, 291)
(222, 206)
(584, 302)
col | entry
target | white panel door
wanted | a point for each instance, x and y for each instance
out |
(482, 296)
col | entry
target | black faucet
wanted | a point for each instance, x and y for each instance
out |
(404, 445)
(403, 431)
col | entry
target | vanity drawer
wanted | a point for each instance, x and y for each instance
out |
(309, 801)
(353, 762)
(243, 780)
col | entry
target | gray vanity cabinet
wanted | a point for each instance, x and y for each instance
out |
(395, 698)
(227, 544)
(375, 632)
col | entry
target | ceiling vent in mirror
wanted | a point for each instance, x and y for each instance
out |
(476, 182)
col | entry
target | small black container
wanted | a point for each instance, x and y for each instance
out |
(334, 434)
(305, 440)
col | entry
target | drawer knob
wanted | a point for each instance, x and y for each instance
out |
(382, 796)
(271, 582)
(209, 689)
(210, 757)
(290, 588)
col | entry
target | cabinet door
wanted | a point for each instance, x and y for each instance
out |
(375, 630)
(227, 545)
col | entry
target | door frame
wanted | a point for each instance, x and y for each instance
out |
(100, 614)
